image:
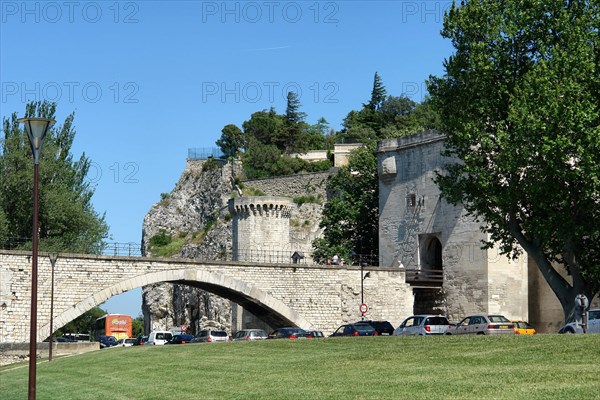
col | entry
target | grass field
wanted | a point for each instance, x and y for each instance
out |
(519, 367)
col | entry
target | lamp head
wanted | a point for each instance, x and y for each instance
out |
(53, 257)
(36, 129)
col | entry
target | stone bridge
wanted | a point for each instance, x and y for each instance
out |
(308, 296)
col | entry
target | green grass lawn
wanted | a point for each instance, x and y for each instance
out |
(519, 367)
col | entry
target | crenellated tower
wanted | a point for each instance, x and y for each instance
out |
(261, 228)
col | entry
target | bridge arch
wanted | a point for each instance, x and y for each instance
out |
(271, 310)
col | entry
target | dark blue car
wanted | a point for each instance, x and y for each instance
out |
(355, 330)
(181, 338)
(107, 341)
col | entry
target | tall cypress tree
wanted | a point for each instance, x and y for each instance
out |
(377, 94)
(294, 124)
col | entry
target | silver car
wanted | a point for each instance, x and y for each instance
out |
(210, 336)
(249, 334)
(483, 324)
(423, 325)
(593, 324)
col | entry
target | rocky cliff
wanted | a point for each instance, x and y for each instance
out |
(194, 218)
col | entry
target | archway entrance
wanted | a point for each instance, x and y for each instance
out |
(428, 295)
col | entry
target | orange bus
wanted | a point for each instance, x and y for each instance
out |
(117, 325)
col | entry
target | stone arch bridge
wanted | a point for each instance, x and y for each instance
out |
(308, 296)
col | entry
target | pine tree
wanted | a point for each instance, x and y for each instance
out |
(378, 94)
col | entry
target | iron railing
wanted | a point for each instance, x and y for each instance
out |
(433, 277)
(260, 256)
(201, 153)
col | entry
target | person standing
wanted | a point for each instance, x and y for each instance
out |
(581, 306)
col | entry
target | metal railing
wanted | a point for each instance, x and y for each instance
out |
(130, 249)
(425, 276)
(259, 256)
(201, 153)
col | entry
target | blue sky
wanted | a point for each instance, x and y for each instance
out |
(149, 79)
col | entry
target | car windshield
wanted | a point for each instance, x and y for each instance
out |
(363, 327)
(498, 318)
(437, 321)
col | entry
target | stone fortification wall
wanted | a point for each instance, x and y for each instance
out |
(292, 185)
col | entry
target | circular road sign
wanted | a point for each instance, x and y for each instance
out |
(363, 308)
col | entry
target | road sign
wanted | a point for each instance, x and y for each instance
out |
(363, 308)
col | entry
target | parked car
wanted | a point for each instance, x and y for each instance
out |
(423, 325)
(315, 334)
(141, 340)
(61, 339)
(127, 342)
(483, 325)
(289, 333)
(107, 341)
(523, 328)
(181, 338)
(249, 334)
(383, 328)
(360, 329)
(159, 337)
(211, 336)
(593, 324)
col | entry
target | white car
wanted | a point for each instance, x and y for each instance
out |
(423, 325)
(127, 342)
(159, 337)
(593, 325)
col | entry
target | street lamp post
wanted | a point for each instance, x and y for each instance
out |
(362, 289)
(36, 129)
(53, 257)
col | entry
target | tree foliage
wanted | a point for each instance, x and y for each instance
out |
(67, 220)
(82, 324)
(520, 103)
(267, 140)
(231, 141)
(350, 217)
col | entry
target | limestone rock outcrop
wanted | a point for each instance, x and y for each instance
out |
(195, 213)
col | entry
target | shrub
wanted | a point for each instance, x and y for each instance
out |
(299, 200)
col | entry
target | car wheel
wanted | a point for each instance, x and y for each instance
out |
(448, 334)
(569, 331)
(481, 333)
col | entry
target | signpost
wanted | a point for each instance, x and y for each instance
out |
(363, 309)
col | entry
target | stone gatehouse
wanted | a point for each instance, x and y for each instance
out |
(433, 239)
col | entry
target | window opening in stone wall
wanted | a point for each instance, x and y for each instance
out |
(411, 200)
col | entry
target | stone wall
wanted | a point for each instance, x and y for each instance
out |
(15, 352)
(309, 296)
(292, 185)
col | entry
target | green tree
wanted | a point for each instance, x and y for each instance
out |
(231, 141)
(294, 140)
(265, 128)
(82, 324)
(67, 220)
(377, 94)
(520, 103)
(350, 217)
(137, 326)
